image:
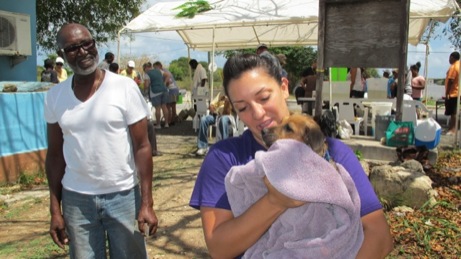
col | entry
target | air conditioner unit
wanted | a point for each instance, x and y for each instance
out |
(15, 36)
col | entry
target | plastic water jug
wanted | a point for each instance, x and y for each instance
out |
(428, 133)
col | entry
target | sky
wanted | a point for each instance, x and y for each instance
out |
(168, 46)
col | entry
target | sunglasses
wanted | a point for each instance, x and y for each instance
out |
(59, 64)
(86, 45)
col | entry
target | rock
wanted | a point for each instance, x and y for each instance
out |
(401, 186)
(413, 165)
(402, 210)
(366, 167)
(10, 88)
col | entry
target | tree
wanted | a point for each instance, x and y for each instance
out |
(455, 28)
(103, 18)
(180, 68)
(298, 58)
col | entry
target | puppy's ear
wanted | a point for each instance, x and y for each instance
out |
(306, 137)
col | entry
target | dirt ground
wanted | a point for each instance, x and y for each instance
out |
(24, 217)
(179, 235)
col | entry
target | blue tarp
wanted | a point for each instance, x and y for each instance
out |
(22, 124)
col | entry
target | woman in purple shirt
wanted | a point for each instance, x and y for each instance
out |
(258, 93)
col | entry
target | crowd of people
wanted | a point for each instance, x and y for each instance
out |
(99, 163)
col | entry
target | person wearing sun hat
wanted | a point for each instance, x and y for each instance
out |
(60, 70)
(131, 72)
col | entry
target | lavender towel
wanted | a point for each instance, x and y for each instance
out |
(328, 226)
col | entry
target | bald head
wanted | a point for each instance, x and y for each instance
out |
(68, 30)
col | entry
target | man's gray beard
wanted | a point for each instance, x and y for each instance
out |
(78, 71)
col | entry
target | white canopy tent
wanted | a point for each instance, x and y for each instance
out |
(236, 24)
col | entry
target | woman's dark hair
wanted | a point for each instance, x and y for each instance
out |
(416, 66)
(238, 64)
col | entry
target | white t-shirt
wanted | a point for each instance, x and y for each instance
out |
(199, 75)
(97, 144)
(358, 81)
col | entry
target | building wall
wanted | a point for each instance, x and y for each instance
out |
(25, 70)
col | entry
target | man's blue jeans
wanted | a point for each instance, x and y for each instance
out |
(205, 122)
(89, 218)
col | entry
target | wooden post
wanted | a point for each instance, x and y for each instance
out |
(320, 71)
(403, 35)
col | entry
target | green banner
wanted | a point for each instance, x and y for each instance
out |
(338, 74)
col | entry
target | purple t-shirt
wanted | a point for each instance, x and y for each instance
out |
(210, 190)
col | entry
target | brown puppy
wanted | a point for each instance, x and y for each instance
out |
(300, 127)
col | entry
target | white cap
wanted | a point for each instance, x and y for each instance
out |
(131, 64)
(59, 60)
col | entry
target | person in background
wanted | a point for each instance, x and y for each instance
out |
(49, 74)
(261, 48)
(62, 73)
(145, 89)
(357, 89)
(452, 91)
(392, 84)
(199, 80)
(114, 68)
(108, 59)
(418, 83)
(158, 94)
(309, 82)
(99, 163)
(386, 74)
(258, 94)
(220, 108)
(200, 77)
(173, 92)
(131, 72)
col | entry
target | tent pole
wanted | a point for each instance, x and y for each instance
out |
(190, 69)
(457, 116)
(118, 45)
(331, 86)
(212, 66)
(426, 70)
(426, 62)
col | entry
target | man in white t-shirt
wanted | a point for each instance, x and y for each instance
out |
(200, 78)
(98, 164)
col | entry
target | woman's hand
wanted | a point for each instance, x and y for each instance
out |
(280, 200)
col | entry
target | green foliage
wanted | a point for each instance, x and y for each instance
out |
(179, 68)
(298, 58)
(28, 179)
(454, 29)
(359, 154)
(191, 8)
(103, 18)
(372, 73)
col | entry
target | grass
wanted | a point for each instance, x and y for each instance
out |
(42, 247)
